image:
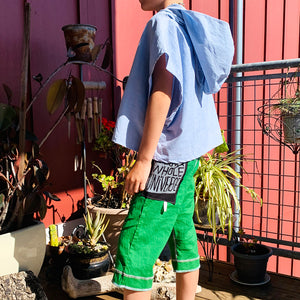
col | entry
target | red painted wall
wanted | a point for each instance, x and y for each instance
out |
(48, 51)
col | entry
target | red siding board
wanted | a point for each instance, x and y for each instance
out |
(224, 10)
(210, 8)
(291, 41)
(254, 23)
(11, 34)
(274, 29)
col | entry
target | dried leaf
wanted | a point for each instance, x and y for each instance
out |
(3, 177)
(95, 52)
(56, 94)
(76, 94)
(35, 150)
(107, 56)
(2, 200)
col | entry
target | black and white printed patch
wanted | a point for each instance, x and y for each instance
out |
(164, 181)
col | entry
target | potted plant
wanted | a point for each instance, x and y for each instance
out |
(289, 109)
(23, 198)
(24, 174)
(250, 260)
(88, 256)
(111, 200)
(215, 181)
(83, 250)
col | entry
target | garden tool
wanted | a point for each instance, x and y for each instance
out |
(83, 112)
(79, 127)
(95, 116)
(90, 119)
(100, 101)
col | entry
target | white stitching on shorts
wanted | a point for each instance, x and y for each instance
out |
(185, 271)
(131, 288)
(185, 260)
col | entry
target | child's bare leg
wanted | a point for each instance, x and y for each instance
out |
(186, 285)
(135, 295)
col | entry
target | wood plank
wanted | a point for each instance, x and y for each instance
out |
(222, 287)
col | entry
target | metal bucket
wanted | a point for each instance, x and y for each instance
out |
(79, 41)
(291, 128)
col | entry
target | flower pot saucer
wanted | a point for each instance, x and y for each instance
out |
(234, 277)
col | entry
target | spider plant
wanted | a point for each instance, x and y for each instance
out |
(216, 182)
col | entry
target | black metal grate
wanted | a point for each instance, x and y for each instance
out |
(252, 123)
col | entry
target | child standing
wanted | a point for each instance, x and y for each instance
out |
(168, 116)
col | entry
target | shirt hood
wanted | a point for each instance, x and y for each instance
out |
(212, 42)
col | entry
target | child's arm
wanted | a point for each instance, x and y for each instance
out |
(156, 114)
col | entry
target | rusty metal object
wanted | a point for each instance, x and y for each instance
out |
(79, 41)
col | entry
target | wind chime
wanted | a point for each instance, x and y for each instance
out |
(91, 113)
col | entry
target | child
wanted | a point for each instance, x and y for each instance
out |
(167, 114)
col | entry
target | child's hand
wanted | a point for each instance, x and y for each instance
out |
(137, 177)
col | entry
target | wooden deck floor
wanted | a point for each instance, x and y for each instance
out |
(221, 287)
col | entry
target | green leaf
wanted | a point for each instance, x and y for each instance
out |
(41, 172)
(223, 147)
(43, 208)
(56, 94)
(7, 116)
(8, 92)
(33, 203)
(51, 196)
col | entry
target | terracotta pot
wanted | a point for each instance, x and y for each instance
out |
(116, 219)
(79, 41)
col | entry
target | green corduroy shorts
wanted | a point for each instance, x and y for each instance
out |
(150, 224)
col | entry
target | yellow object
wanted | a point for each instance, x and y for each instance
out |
(53, 235)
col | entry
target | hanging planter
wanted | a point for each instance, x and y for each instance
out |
(79, 41)
(289, 109)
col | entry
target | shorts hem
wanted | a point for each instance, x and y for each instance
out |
(132, 282)
(186, 265)
(185, 271)
(185, 260)
(133, 276)
(131, 288)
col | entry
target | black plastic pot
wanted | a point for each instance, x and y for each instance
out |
(251, 266)
(86, 268)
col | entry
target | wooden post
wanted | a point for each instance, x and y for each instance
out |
(24, 88)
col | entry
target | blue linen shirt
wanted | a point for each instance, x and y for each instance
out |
(199, 52)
